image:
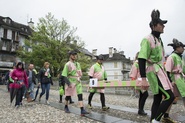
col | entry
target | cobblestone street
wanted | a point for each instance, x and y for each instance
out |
(122, 107)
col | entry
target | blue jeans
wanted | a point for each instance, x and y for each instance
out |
(45, 87)
(31, 89)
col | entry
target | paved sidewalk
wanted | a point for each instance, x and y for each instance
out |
(104, 117)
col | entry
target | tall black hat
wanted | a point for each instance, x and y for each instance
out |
(176, 44)
(155, 16)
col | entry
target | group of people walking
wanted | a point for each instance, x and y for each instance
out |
(21, 82)
(166, 81)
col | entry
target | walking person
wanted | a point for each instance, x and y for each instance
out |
(8, 80)
(19, 76)
(175, 67)
(62, 85)
(151, 55)
(98, 71)
(143, 94)
(37, 84)
(8, 76)
(72, 74)
(44, 78)
(31, 80)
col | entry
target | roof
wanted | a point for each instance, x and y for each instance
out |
(8, 23)
(86, 52)
(116, 57)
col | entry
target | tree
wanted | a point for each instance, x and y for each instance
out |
(51, 41)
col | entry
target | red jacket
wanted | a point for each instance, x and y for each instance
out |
(19, 74)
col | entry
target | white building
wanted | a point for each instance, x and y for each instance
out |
(116, 64)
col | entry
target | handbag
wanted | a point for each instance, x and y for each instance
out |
(61, 90)
(16, 84)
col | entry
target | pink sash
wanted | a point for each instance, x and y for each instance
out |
(70, 91)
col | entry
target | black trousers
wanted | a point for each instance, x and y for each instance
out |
(70, 99)
(102, 98)
(142, 99)
(19, 95)
(159, 106)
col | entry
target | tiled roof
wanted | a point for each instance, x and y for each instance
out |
(116, 56)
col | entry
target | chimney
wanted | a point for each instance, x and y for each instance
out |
(110, 52)
(94, 52)
(31, 24)
(121, 52)
(115, 50)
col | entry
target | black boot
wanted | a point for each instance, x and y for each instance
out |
(142, 112)
(70, 100)
(60, 99)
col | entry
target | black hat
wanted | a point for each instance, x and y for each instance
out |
(100, 57)
(155, 16)
(176, 44)
(73, 52)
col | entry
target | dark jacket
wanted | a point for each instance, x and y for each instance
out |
(33, 76)
(44, 79)
(63, 80)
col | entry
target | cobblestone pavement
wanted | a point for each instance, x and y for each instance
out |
(34, 112)
(39, 113)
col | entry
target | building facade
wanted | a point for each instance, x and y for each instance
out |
(12, 36)
(116, 64)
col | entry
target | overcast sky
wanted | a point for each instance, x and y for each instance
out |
(105, 23)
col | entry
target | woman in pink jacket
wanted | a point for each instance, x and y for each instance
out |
(134, 75)
(19, 75)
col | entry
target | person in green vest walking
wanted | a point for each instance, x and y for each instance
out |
(98, 71)
(151, 59)
(72, 74)
(143, 95)
(175, 67)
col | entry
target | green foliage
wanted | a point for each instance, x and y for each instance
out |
(51, 41)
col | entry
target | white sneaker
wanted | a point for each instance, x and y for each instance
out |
(155, 121)
(47, 102)
(17, 106)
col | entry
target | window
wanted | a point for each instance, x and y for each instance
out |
(17, 36)
(115, 64)
(13, 35)
(115, 75)
(13, 47)
(9, 34)
(4, 45)
(7, 20)
(5, 33)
